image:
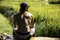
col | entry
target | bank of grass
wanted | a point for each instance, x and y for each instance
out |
(5, 26)
(47, 17)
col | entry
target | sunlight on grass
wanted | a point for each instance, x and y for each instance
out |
(5, 26)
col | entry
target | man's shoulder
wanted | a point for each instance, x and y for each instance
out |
(16, 14)
(28, 14)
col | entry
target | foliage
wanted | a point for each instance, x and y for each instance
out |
(47, 17)
(1, 0)
(5, 26)
(47, 27)
(7, 11)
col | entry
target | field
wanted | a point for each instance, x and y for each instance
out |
(47, 17)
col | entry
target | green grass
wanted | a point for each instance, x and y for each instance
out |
(5, 26)
(47, 17)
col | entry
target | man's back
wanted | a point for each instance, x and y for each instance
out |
(23, 21)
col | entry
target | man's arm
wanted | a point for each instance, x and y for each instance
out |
(32, 22)
(32, 29)
(15, 23)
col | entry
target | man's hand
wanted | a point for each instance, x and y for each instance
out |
(32, 31)
(15, 28)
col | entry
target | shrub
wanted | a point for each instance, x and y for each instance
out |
(47, 28)
(7, 11)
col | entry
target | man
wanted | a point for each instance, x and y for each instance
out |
(23, 24)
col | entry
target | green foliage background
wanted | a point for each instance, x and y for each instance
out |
(47, 17)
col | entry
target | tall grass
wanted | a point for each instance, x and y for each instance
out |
(5, 26)
(47, 17)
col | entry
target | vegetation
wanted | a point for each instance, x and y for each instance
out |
(47, 17)
(5, 26)
(7, 11)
